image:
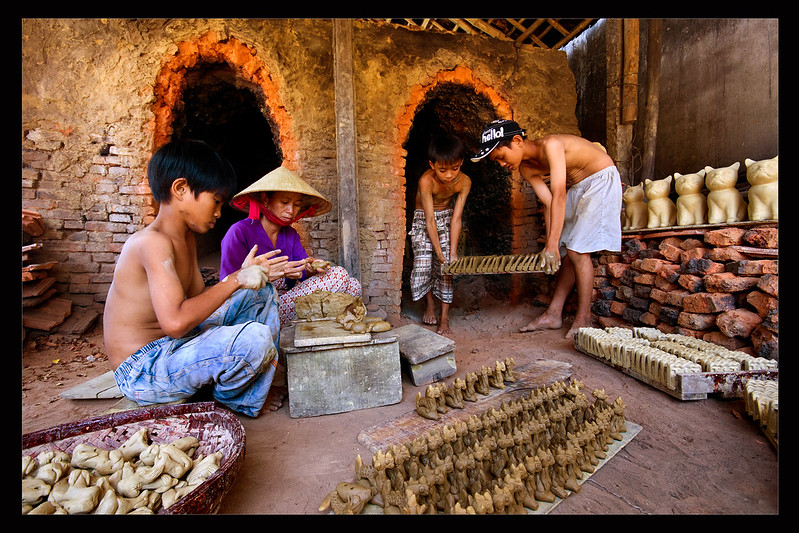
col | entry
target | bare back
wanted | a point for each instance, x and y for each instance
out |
(129, 320)
(582, 158)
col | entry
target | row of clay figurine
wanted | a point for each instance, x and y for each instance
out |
(440, 397)
(533, 449)
(662, 356)
(505, 264)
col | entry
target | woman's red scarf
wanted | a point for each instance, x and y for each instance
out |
(255, 209)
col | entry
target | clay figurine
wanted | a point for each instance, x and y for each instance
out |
(691, 203)
(763, 193)
(426, 407)
(725, 203)
(635, 210)
(347, 498)
(661, 211)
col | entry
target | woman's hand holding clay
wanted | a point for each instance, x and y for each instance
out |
(257, 271)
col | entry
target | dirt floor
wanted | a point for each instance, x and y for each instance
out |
(699, 457)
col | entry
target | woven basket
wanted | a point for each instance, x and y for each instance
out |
(216, 429)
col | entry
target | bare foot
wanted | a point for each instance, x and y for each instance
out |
(543, 322)
(443, 329)
(275, 397)
(430, 318)
(576, 326)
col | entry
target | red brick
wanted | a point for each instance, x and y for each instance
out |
(751, 267)
(617, 269)
(693, 253)
(601, 270)
(670, 272)
(701, 267)
(687, 244)
(665, 328)
(604, 259)
(763, 237)
(624, 293)
(617, 307)
(651, 265)
(762, 302)
(765, 343)
(697, 321)
(662, 284)
(717, 337)
(690, 282)
(725, 254)
(648, 318)
(770, 284)
(708, 302)
(658, 295)
(655, 308)
(688, 332)
(645, 279)
(728, 282)
(737, 322)
(675, 298)
(725, 236)
(670, 252)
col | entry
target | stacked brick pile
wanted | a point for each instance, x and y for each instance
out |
(721, 286)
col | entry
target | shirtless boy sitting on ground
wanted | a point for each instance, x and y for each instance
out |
(166, 334)
(582, 207)
(436, 227)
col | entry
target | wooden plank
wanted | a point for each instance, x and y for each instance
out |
(33, 301)
(48, 315)
(101, 387)
(30, 290)
(759, 252)
(349, 248)
(324, 333)
(77, 323)
(39, 266)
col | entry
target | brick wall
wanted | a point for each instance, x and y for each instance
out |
(719, 285)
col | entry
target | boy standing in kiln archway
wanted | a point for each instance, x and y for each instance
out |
(436, 226)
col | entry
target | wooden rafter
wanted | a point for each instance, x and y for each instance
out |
(543, 33)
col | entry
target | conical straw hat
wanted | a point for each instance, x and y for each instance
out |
(283, 179)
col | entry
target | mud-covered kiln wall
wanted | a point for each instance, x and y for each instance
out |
(395, 70)
(91, 120)
(100, 95)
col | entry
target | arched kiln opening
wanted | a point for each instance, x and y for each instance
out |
(230, 114)
(487, 229)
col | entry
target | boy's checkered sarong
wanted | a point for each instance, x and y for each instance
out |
(426, 273)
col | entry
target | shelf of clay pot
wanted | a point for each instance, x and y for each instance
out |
(697, 229)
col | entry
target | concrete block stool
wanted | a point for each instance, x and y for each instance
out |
(426, 355)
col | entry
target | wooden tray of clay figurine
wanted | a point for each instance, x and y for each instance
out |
(493, 264)
(217, 430)
(691, 385)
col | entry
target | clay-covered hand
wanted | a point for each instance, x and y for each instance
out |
(254, 277)
(548, 262)
(274, 265)
(316, 266)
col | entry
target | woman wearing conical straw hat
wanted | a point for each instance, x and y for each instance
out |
(273, 204)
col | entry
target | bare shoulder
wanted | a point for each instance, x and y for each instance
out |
(146, 245)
